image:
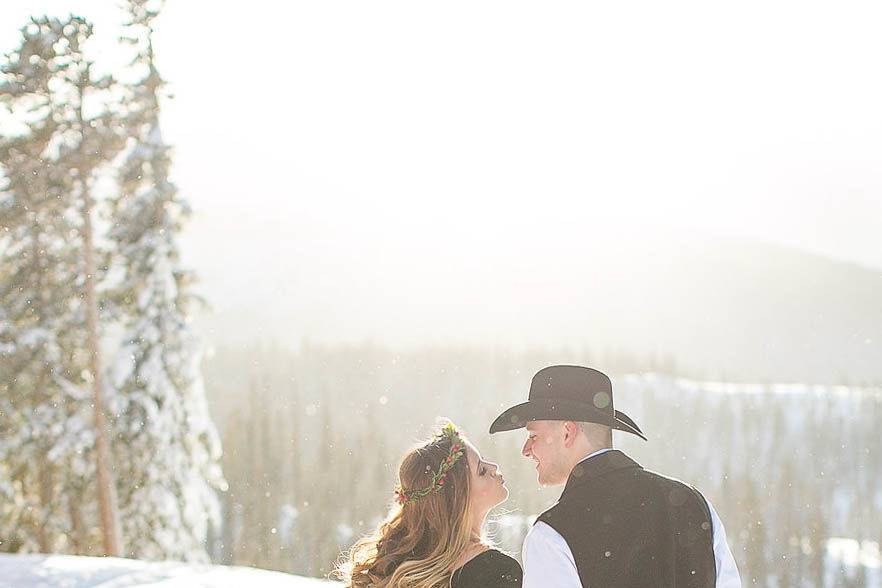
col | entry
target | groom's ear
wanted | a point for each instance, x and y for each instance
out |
(571, 430)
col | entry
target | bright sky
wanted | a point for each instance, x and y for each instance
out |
(399, 141)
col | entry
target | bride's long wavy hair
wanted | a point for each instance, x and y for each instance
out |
(421, 542)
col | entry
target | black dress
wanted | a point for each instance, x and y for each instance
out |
(490, 569)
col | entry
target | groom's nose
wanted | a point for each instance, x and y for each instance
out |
(525, 451)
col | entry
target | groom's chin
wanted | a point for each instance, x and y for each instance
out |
(541, 478)
(547, 481)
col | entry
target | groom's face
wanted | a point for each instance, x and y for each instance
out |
(545, 446)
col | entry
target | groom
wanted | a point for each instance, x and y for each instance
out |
(615, 524)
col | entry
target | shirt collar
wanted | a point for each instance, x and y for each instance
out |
(594, 453)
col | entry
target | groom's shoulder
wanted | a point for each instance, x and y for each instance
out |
(637, 487)
(675, 492)
(680, 491)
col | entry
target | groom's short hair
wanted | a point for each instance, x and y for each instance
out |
(598, 434)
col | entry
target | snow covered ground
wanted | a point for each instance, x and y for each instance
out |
(67, 571)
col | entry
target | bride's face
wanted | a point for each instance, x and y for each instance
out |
(486, 483)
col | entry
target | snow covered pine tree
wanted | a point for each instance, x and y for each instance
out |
(167, 448)
(48, 446)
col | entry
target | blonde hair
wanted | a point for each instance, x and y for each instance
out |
(421, 542)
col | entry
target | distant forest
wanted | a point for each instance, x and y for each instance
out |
(312, 440)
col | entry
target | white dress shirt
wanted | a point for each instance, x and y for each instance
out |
(548, 560)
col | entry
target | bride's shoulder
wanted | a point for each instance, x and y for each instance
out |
(489, 568)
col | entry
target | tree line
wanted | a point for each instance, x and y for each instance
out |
(312, 439)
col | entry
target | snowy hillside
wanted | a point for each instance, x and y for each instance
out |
(66, 571)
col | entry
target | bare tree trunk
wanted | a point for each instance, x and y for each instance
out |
(77, 531)
(45, 480)
(106, 485)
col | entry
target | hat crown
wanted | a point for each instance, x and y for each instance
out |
(573, 383)
(567, 393)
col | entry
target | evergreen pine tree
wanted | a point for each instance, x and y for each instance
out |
(47, 297)
(169, 457)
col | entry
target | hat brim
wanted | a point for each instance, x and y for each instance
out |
(547, 409)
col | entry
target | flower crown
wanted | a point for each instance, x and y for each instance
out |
(457, 448)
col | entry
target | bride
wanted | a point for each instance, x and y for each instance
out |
(432, 537)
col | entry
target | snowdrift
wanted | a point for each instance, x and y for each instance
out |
(68, 571)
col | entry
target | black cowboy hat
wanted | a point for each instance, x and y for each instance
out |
(567, 393)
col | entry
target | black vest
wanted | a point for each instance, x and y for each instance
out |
(630, 528)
